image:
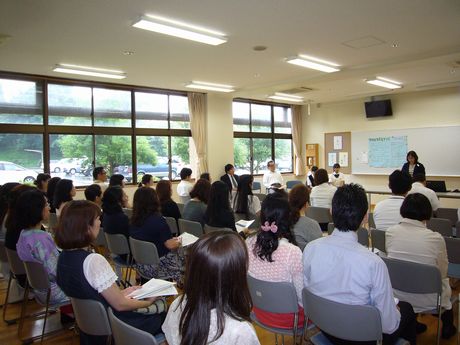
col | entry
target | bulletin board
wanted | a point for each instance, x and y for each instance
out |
(337, 149)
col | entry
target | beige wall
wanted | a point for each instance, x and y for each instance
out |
(418, 109)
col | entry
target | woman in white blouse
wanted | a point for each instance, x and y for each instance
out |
(321, 195)
(216, 304)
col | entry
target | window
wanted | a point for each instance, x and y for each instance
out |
(262, 132)
(112, 108)
(69, 105)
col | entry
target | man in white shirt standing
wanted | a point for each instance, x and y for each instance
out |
(419, 186)
(185, 185)
(340, 269)
(386, 212)
(272, 177)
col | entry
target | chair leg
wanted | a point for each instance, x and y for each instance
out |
(276, 339)
(438, 336)
(46, 314)
(23, 310)
(5, 304)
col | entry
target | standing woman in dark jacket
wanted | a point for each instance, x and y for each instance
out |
(218, 212)
(412, 166)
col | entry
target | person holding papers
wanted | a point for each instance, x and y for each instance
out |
(218, 213)
(272, 178)
(245, 203)
(216, 303)
(85, 275)
(147, 224)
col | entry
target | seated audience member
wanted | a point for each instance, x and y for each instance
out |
(195, 209)
(185, 186)
(230, 179)
(322, 193)
(168, 206)
(42, 182)
(410, 240)
(216, 303)
(114, 220)
(36, 245)
(64, 192)
(304, 228)
(206, 176)
(244, 202)
(336, 178)
(311, 177)
(100, 177)
(94, 193)
(386, 212)
(5, 191)
(147, 181)
(419, 186)
(412, 166)
(85, 275)
(117, 180)
(147, 224)
(218, 213)
(272, 178)
(340, 269)
(274, 257)
(52, 183)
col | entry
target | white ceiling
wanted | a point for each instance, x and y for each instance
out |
(97, 32)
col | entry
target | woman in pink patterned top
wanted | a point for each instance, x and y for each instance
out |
(274, 257)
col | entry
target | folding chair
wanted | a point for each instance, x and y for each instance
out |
(448, 213)
(208, 228)
(91, 317)
(193, 228)
(16, 269)
(453, 270)
(363, 236)
(145, 253)
(370, 221)
(378, 240)
(292, 183)
(273, 297)
(320, 214)
(441, 225)
(118, 245)
(172, 225)
(256, 186)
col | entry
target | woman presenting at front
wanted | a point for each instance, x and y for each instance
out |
(412, 166)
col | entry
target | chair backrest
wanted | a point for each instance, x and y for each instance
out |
(117, 244)
(344, 321)
(330, 228)
(441, 225)
(191, 227)
(36, 275)
(273, 297)
(208, 228)
(292, 183)
(256, 186)
(453, 249)
(370, 221)
(448, 213)
(144, 253)
(16, 265)
(320, 214)
(128, 212)
(363, 236)
(181, 207)
(172, 225)
(100, 239)
(413, 277)
(261, 196)
(91, 316)
(125, 334)
(378, 239)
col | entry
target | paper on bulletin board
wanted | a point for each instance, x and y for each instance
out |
(343, 159)
(338, 142)
(331, 158)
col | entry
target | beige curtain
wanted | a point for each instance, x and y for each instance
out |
(197, 107)
(299, 164)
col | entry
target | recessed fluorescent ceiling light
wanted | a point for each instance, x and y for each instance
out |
(384, 82)
(178, 29)
(91, 71)
(210, 86)
(314, 63)
(285, 97)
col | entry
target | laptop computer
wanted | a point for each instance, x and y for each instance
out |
(437, 186)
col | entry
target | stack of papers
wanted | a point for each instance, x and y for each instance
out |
(154, 288)
(241, 224)
(187, 239)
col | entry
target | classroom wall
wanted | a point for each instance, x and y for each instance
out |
(415, 109)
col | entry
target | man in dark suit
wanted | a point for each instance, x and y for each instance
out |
(230, 178)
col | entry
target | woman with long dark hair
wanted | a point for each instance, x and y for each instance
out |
(65, 191)
(114, 220)
(274, 256)
(216, 304)
(218, 213)
(245, 202)
(168, 206)
(52, 183)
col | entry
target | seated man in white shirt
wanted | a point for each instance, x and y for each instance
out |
(410, 240)
(100, 178)
(336, 178)
(185, 185)
(340, 269)
(419, 186)
(272, 177)
(386, 212)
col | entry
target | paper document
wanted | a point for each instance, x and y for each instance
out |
(154, 288)
(241, 224)
(187, 239)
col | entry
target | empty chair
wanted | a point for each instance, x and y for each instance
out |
(118, 245)
(292, 183)
(209, 228)
(441, 225)
(91, 317)
(320, 214)
(172, 225)
(193, 228)
(257, 186)
(448, 213)
(370, 221)
(125, 334)
(378, 240)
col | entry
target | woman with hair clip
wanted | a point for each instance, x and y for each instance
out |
(218, 213)
(274, 257)
(245, 202)
(216, 303)
(147, 181)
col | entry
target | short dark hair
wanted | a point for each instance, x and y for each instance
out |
(299, 195)
(270, 162)
(52, 183)
(145, 204)
(413, 154)
(29, 208)
(41, 178)
(349, 206)
(92, 192)
(416, 206)
(72, 231)
(206, 176)
(185, 172)
(164, 191)
(336, 166)
(321, 176)
(97, 171)
(116, 180)
(112, 200)
(420, 177)
(201, 190)
(146, 178)
(399, 182)
(228, 167)
(62, 192)
(314, 168)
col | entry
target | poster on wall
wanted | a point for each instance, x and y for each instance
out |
(331, 159)
(387, 152)
(338, 142)
(343, 159)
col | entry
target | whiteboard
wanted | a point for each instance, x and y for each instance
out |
(437, 148)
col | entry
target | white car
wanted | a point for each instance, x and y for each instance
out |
(11, 172)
